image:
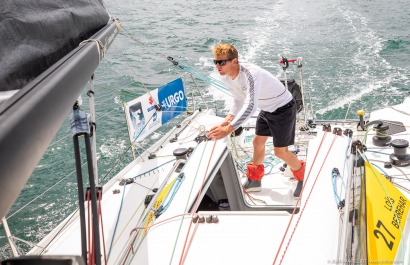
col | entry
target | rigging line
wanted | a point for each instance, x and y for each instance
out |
(68, 130)
(189, 243)
(160, 222)
(313, 59)
(402, 112)
(127, 149)
(135, 73)
(186, 206)
(102, 116)
(307, 199)
(107, 97)
(152, 169)
(318, 59)
(61, 229)
(297, 202)
(394, 166)
(135, 229)
(357, 78)
(402, 187)
(102, 225)
(116, 223)
(251, 198)
(128, 243)
(184, 253)
(40, 195)
(103, 94)
(121, 87)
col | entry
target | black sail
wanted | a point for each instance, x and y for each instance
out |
(49, 75)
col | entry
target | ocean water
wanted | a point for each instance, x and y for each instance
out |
(355, 56)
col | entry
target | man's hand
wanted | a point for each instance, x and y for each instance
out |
(227, 120)
(220, 131)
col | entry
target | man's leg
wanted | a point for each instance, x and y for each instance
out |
(259, 143)
(297, 167)
(256, 169)
(288, 157)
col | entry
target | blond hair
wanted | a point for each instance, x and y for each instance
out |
(225, 49)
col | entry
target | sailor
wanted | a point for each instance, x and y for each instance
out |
(253, 87)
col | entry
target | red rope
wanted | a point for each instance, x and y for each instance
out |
(102, 226)
(183, 254)
(90, 241)
(190, 242)
(307, 199)
(300, 196)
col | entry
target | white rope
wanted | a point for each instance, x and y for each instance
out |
(100, 47)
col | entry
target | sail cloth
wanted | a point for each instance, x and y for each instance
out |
(36, 34)
(387, 219)
(150, 111)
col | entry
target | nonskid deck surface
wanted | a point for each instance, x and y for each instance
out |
(277, 189)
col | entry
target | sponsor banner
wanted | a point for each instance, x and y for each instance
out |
(150, 111)
(387, 214)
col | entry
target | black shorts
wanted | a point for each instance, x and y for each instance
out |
(279, 124)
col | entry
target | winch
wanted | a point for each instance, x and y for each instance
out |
(400, 158)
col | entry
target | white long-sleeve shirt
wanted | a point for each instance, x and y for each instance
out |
(254, 88)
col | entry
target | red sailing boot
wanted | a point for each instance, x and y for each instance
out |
(254, 174)
(299, 175)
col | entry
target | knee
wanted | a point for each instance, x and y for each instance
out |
(258, 141)
(280, 152)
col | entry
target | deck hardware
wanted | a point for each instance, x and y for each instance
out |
(348, 133)
(180, 153)
(337, 131)
(327, 127)
(400, 158)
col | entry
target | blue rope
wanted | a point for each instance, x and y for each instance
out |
(335, 175)
(164, 206)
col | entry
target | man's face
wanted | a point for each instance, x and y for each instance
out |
(223, 64)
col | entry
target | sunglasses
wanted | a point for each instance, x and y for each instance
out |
(221, 62)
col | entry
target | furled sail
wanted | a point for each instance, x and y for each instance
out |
(36, 34)
(49, 69)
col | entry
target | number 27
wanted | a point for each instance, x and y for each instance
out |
(376, 232)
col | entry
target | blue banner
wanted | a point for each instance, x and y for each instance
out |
(144, 115)
(172, 99)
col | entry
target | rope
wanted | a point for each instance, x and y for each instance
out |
(184, 253)
(102, 225)
(335, 176)
(116, 222)
(297, 202)
(90, 252)
(186, 206)
(307, 199)
(100, 47)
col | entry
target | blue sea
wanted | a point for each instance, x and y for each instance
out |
(355, 55)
